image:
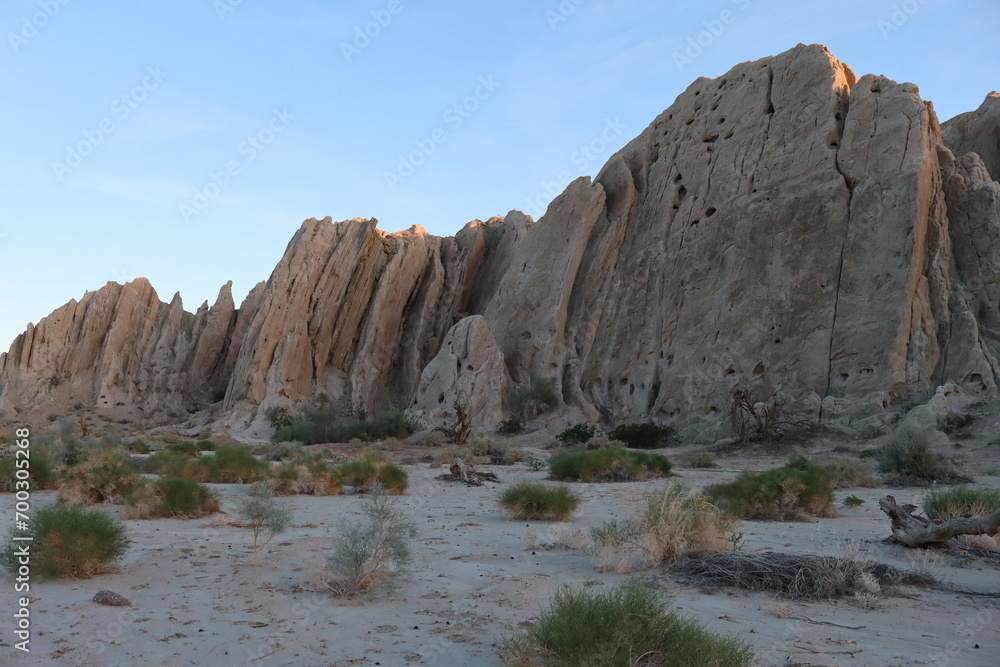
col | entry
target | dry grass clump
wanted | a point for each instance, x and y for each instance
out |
(482, 451)
(798, 576)
(315, 478)
(965, 501)
(628, 626)
(793, 493)
(541, 502)
(103, 477)
(171, 497)
(908, 454)
(848, 471)
(373, 470)
(674, 523)
(369, 553)
(698, 460)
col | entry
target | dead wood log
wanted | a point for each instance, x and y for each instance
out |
(916, 531)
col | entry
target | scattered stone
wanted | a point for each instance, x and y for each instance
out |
(111, 599)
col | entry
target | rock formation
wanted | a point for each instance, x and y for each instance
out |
(787, 227)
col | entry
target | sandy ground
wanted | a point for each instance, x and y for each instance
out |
(477, 576)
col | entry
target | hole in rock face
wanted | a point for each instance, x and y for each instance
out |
(777, 340)
(721, 121)
(682, 191)
(695, 222)
(838, 116)
(689, 121)
(710, 211)
(758, 369)
(677, 178)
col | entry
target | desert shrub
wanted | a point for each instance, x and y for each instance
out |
(263, 514)
(608, 465)
(961, 501)
(497, 452)
(185, 448)
(171, 497)
(674, 523)
(103, 477)
(205, 446)
(278, 417)
(371, 471)
(848, 471)
(576, 434)
(852, 501)
(908, 454)
(230, 465)
(629, 625)
(69, 542)
(534, 398)
(698, 459)
(647, 435)
(166, 462)
(369, 552)
(315, 478)
(788, 493)
(511, 426)
(39, 474)
(75, 450)
(280, 451)
(537, 501)
(138, 447)
(322, 422)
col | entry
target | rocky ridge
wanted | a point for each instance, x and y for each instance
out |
(788, 227)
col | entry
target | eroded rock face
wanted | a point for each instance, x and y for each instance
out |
(125, 353)
(787, 227)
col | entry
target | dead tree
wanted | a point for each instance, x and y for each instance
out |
(916, 531)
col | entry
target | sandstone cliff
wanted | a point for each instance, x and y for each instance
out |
(788, 227)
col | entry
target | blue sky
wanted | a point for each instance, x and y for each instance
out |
(186, 140)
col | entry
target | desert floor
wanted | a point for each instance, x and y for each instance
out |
(477, 576)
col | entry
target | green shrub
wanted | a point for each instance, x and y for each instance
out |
(674, 523)
(373, 470)
(787, 493)
(961, 501)
(537, 501)
(647, 435)
(138, 447)
(908, 454)
(167, 462)
(853, 501)
(229, 465)
(577, 434)
(511, 426)
(278, 417)
(205, 446)
(534, 398)
(185, 448)
(69, 542)
(103, 477)
(171, 497)
(629, 625)
(39, 474)
(322, 422)
(608, 465)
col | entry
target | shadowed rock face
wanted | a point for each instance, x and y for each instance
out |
(787, 226)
